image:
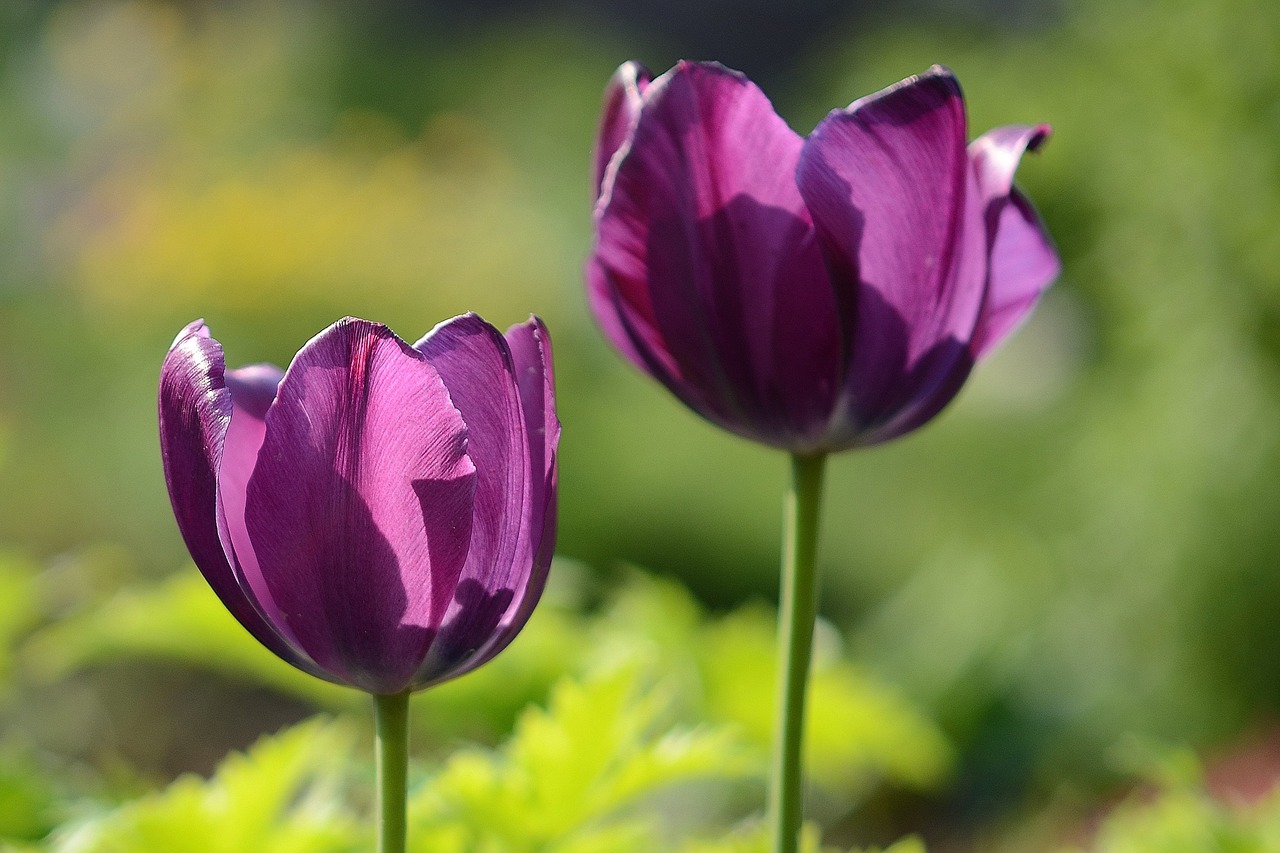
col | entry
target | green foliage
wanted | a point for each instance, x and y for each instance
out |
(179, 620)
(1182, 817)
(759, 840)
(571, 779)
(713, 669)
(603, 769)
(278, 798)
(573, 776)
(654, 726)
(1180, 822)
(648, 740)
(857, 728)
(28, 799)
(19, 607)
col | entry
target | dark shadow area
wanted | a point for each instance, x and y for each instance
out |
(886, 394)
(469, 629)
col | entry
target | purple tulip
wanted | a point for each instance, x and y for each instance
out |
(379, 515)
(815, 293)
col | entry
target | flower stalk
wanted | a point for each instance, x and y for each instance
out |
(391, 733)
(798, 610)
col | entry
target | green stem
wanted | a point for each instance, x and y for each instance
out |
(798, 609)
(391, 731)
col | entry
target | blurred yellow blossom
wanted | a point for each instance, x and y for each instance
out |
(171, 213)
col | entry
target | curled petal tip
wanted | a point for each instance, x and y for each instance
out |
(709, 64)
(467, 319)
(463, 324)
(346, 325)
(907, 99)
(195, 327)
(623, 99)
(632, 74)
(702, 66)
(349, 321)
(939, 75)
(1040, 135)
(533, 322)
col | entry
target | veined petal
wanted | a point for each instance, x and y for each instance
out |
(1023, 260)
(359, 508)
(530, 346)
(889, 186)
(474, 360)
(481, 630)
(623, 98)
(196, 412)
(706, 265)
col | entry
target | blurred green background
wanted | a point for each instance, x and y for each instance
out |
(1084, 548)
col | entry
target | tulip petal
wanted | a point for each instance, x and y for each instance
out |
(196, 411)
(473, 359)
(632, 329)
(253, 390)
(1023, 260)
(706, 265)
(622, 100)
(482, 630)
(359, 509)
(531, 353)
(888, 184)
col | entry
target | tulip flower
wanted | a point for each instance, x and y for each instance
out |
(818, 293)
(812, 293)
(379, 515)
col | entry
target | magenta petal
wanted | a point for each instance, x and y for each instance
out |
(486, 631)
(632, 329)
(195, 414)
(706, 268)
(622, 99)
(891, 193)
(1023, 260)
(531, 353)
(253, 390)
(359, 508)
(475, 363)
